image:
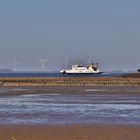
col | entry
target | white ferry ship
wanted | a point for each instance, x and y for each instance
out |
(80, 69)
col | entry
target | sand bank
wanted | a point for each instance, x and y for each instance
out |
(73, 132)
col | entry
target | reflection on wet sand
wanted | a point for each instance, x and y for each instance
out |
(70, 106)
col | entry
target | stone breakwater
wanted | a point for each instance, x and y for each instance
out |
(67, 81)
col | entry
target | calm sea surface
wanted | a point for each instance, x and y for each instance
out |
(56, 74)
(57, 108)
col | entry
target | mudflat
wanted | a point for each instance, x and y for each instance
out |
(73, 132)
(20, 105)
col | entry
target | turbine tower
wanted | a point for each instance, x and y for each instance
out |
(15, 63)
(66, 62)
(90, 60)
(43, 63)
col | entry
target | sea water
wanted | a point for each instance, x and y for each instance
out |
(57, 74)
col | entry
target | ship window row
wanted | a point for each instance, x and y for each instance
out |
(80, 69)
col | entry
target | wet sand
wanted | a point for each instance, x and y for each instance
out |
(73, 132)
(69, 90)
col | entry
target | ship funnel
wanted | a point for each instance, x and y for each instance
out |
(94, 66)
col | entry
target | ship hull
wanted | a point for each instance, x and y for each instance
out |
(87, 73)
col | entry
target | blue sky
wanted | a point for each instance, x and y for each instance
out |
(108, 30)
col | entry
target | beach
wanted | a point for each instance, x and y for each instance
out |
(70, 113)
(73, 132)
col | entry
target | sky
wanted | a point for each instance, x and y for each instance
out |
(107, 30)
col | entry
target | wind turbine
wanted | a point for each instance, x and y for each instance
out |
(90, 60)
(43, 63)
(15, 63)
(66, 62)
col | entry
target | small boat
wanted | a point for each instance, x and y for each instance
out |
(80, 69)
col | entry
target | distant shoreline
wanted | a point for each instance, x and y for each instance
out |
(131, 75)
